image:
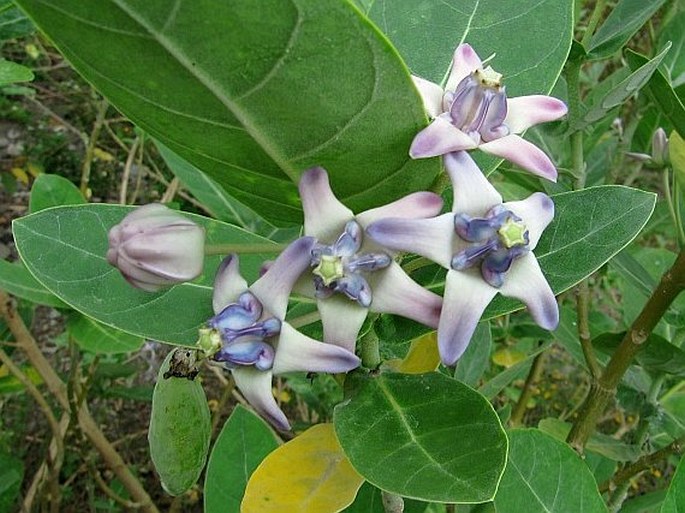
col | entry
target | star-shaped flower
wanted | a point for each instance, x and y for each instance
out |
(253, 339)
(350, 274)
(487, 247)
(473, 111)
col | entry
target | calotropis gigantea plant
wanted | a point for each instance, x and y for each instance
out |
(248, 103)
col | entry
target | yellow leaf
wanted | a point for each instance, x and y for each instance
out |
(102, 155)
(676, 153)
(507, 357)
(309, 474)
(32, 50)
(423, 355)
(34, 169)
(20, 174)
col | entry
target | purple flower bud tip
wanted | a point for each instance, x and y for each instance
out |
(155, 247)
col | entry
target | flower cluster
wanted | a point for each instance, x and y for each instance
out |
(347, 263)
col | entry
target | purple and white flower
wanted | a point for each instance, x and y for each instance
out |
(350, 273)
(487, 247)
(253, 339)
(473, 111)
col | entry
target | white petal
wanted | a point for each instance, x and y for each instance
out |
(473, 193)
(255, 385)
(396, 293)
(324, 215)
(464, 62)
(275, 286)
(438, 138)
(298, 352)
(466, 297)
(342, 318)
(431, 238)
(228, 284)
(431, 94)
(524, 154)
(416, 205)
(537, 211)
(526, 282)
(526, 111)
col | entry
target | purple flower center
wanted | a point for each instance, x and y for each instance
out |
(478, 106)
(497, 240)
(338, 267)
(242, 334)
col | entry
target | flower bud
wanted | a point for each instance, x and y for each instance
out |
(660, 155)
(155, 247)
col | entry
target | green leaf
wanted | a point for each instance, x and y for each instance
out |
(545, 475)
(472, 364)
(657, 354)
(427, 32)
(589, 228)
(675, 60)
(10, 384)
(602, 101)
(13, 23)
(647, 503)
(675, 497)
(50, 241)
(254, 96)
(11, 476)
(622, 23)
(15, 279)
(516, 371)
(660, 92)
(424, 436)
(53, 191)
(214, 199)
(243, 443)
(98, 338)
(11, 72)
(180, 428)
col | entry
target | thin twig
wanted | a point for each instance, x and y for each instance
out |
(127, 171)
(90, 147)
(583, 309)
(527, 391)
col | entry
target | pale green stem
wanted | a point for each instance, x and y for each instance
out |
(225, 249)
(592, 24)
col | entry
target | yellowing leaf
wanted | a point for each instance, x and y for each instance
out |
(309, 474)
(507, 357)
(676, 152)
(34, 169)
(102, 155)
(20, 174)
(423, 355)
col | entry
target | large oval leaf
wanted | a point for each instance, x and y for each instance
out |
(675, 497)
(180, 428)
(92, 336)
(309, 474)
(423, 436)
(254, 93)
(243, 443)
(64, 248)
(545, 475)
(530, 37)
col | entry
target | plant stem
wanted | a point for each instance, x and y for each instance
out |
(57, 387)
(583, 307)
(225, 249)
(601, 392)
(670, 201)
(592, 23)
(527, 391)
(90, 147)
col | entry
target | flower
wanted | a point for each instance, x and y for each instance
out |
(252, 337)
(487, 247)
(474, 112)
(351, 274)
(154, 247)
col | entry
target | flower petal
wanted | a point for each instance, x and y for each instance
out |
(473, 194)
(522, 153)
(464, 62)
(526, 111)
(438, 138)
(228, 284)
(431, 94)
(431, 238)
(324, 215)
(526, 282)
(255, 385)
(298, 352)
(275, 286)
(466, 297)
(537, 211)
(412, 206)
(342, 318)
(396, 293)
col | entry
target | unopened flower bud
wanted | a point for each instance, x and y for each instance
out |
(660, 155)
(155, 247)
